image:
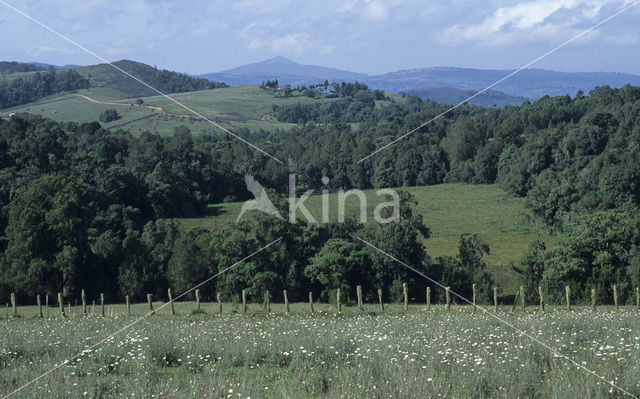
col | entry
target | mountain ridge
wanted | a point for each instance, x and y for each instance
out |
(529, 84)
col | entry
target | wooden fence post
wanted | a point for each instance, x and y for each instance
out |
(198, 299)
(311, 301)
(39, 306)
(593, 299)
(637, 298)
(219, 303)
(515, 300)
(522, 304)
(126, 298)
(102, 303)
(405, 294)
(46, 303)
(61, 304)
(615, 296)
(244, 301)
(447, 297)
(93, 307)
(359, 293)
(173, 309)
(13, 305)
(150, 302)
(428, 297)
(473, 288)
(338, 300)
(69, 307)
(495, 299)
(541, 298)
(84, 303)
(380, 299)
(268, 302)
(286, 301)
(568, 292)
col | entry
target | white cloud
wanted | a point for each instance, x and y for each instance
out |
(529, 21)
(624, 39)
(375, 12)
(291, 43)
(50, 49)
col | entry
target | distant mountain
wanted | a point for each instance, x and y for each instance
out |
(529, 83)
(433, 83)
(283, 69)
(47, 66)
(452, 96)
(7, 67)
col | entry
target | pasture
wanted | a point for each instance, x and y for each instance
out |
(356, 354)
(231, 107)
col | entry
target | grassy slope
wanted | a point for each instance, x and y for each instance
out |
(448, 210)
(244, 106)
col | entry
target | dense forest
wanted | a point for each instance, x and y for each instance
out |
(79, 201)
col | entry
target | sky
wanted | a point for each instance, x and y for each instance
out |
(367, 36)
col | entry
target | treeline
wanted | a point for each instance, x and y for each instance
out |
(40, 84)
(15, 67)
(174, 82)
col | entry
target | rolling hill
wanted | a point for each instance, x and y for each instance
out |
(242, 106)
(430, 82)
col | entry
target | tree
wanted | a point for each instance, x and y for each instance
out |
(597, 254)
(339, 264)
(470, 253)
(108, 115)
(531, 269)
(463, 140)
(47, 237)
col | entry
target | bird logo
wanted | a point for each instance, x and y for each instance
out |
(261, 202)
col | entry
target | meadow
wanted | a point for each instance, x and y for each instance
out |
(449, 210)
(356, 354)
(232, 107)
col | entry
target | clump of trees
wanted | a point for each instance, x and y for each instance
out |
(109, 115)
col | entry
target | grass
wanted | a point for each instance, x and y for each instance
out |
(436, 353)
(449, 210)
(232, 107)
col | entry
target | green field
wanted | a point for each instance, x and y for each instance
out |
(244, 106)
(358, 354)
(449, 210)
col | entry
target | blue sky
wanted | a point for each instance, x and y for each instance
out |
(364, 36)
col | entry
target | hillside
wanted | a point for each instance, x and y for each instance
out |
(33, 83)
(449, 210)
(245, 106)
